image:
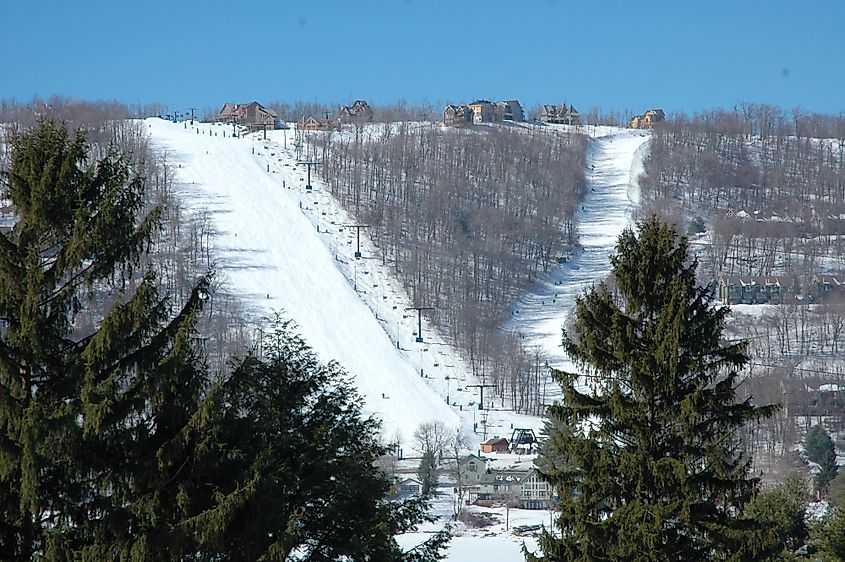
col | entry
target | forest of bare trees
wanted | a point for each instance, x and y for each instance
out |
(467, 219)
(771, 186)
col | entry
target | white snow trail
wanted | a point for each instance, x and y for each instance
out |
(614, 161)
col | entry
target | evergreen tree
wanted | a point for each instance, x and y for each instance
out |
(95, 426)
(820, 449)
(780, 528)
(647, 456)
(312, 491)
(836, 488)
(828, 536)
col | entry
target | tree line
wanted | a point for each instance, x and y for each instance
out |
(771, 189)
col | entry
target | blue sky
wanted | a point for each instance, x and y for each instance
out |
(615, 55)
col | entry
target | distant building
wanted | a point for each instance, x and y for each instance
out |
(522, 488)
(471, 468)
(747, 289)
(311, 123)
(536, 493)
(509, 110)
(804, 400)
(483, 111)
(497, 486)
(408, 487)
(252, 115)
(647, 119)
(457, 115)
(495, 445)
(825, 287)
(560, 114)
(359, 111)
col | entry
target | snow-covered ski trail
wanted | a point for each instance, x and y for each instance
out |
(614, 160)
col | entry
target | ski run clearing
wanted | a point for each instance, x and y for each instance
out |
(285, 249)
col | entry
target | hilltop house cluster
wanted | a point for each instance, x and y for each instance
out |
(484, 111)
(254, 116)
(359, 112)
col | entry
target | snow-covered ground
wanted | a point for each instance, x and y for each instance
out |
(614, 161)
(284, 248)
(496, 543)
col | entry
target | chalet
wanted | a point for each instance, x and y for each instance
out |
(311, 123)
(522, 488)
(457, 115)
(483, 111)
(497, 486)
(359, 111)
(495, 445)
(647, 119)
(560, 114)
(509, 110)
(471, 467)
(408, 487)
(739, 289)
(536, 493)
(252, 115)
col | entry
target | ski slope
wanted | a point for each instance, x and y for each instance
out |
(284, 248)
(614, 161)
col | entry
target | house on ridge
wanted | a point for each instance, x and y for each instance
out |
(647, 119)
(252, 115)
(359, 111)
(560, 114)
(457, 115)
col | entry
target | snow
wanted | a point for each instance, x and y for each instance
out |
(496, 543)
(282, 248)
(614, 162)
(490, 548)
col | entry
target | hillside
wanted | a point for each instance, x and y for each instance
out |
(286, 249)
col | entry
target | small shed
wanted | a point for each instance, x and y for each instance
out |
(409, 487)
(495, 445)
